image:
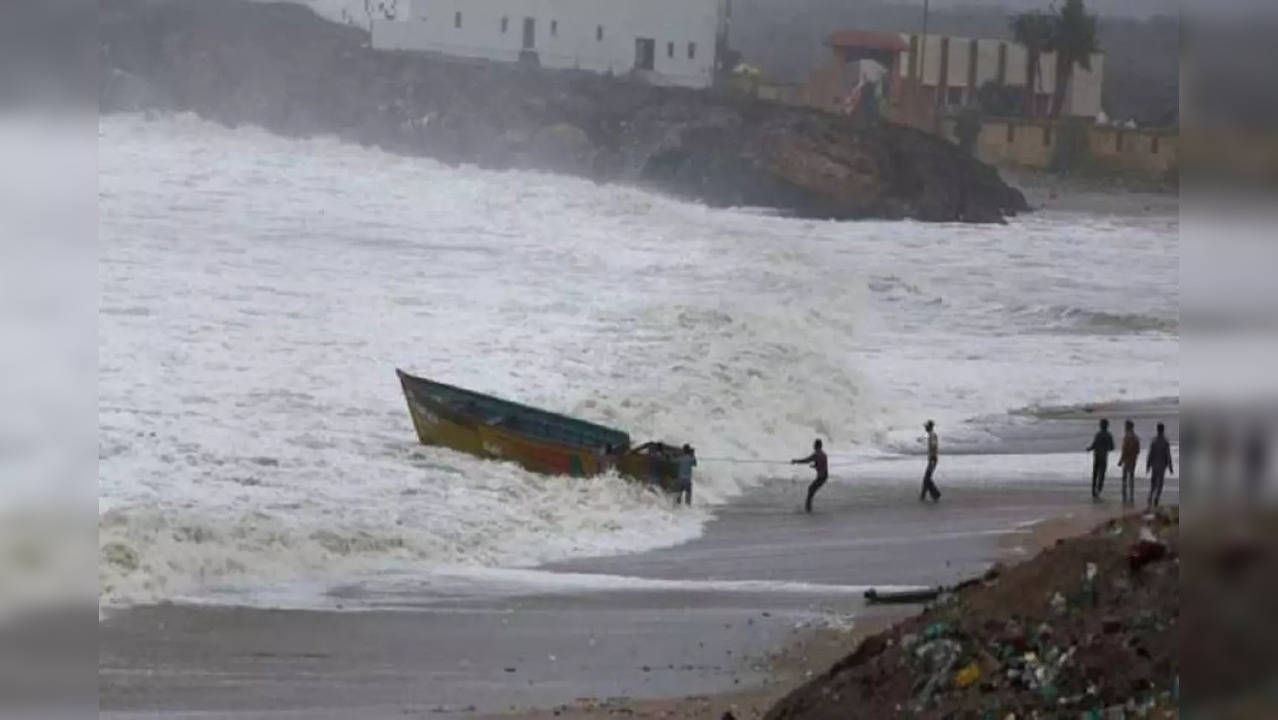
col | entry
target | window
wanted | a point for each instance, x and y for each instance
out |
(1118, 141)
(972, 52)
(505, 24)
(692, 51)
(1047, 136)
(599, 33)
(1011, 133)
(669, 49)
(954, 97)
(457, 19)
(554, 28)
(1153, 145)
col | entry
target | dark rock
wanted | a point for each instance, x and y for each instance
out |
(281, 67)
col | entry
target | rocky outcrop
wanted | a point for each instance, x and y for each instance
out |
(281, 67)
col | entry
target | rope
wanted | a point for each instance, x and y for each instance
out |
(749, 461)
(743, 461)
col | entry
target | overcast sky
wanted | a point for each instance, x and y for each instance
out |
(1139, 8)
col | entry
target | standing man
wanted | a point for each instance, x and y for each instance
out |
(817, 460)
(687, 460)
(929, 487)
(1127, 461)
(1100, 448)
(1158, 463)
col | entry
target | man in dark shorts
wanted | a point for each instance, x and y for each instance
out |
(817, 460)
(1158, 462)
(1100, 448)
(933, 452)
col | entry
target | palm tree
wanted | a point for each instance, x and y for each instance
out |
(1074, 41)
(1034, 30)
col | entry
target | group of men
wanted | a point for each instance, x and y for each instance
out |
(821, 463)
(1158, 461)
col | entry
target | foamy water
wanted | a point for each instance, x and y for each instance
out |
(258, 293)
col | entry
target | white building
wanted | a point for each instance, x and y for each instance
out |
(667, 42)
(952, 69)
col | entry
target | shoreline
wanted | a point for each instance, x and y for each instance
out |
(813, 651)
(704, 640)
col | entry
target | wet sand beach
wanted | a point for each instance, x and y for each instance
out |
(736, 609)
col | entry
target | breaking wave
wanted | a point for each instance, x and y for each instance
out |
(1071, 319)
(258, 292)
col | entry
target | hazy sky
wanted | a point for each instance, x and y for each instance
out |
(1104, 7)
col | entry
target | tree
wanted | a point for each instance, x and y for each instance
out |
(1074, 40)
(1035, 30)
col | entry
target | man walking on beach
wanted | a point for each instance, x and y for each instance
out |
(1101, 445)
(1127, 461)
(687, 460)
(1158, 463)
(929, 487)
(817, 460)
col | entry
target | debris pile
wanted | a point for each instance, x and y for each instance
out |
(1086, 629)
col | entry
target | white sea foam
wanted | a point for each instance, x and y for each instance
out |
(258, 292)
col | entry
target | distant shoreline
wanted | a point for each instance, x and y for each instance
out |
(1045, 191)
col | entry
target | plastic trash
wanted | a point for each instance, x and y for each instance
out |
(936, 630)
(1089, 583)
(939, 657)
(909, 641)
(1057, 604)
(968, 675)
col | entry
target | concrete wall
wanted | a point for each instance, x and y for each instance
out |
(594, 35)
(1030, 143)
(1150, 151)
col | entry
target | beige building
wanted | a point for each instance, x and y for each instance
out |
(950, 71)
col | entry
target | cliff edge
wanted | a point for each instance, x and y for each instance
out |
(281, 67)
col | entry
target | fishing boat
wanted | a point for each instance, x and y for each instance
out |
(539, 440)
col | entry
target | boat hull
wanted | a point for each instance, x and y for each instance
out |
(535, 439)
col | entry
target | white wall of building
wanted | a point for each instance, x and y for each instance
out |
(594, 35)
(1084, 97)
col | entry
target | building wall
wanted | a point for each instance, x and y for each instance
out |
(1027, 144)
(568, 33)
(1151, 151)
(1030, 143)
(1082, 98)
